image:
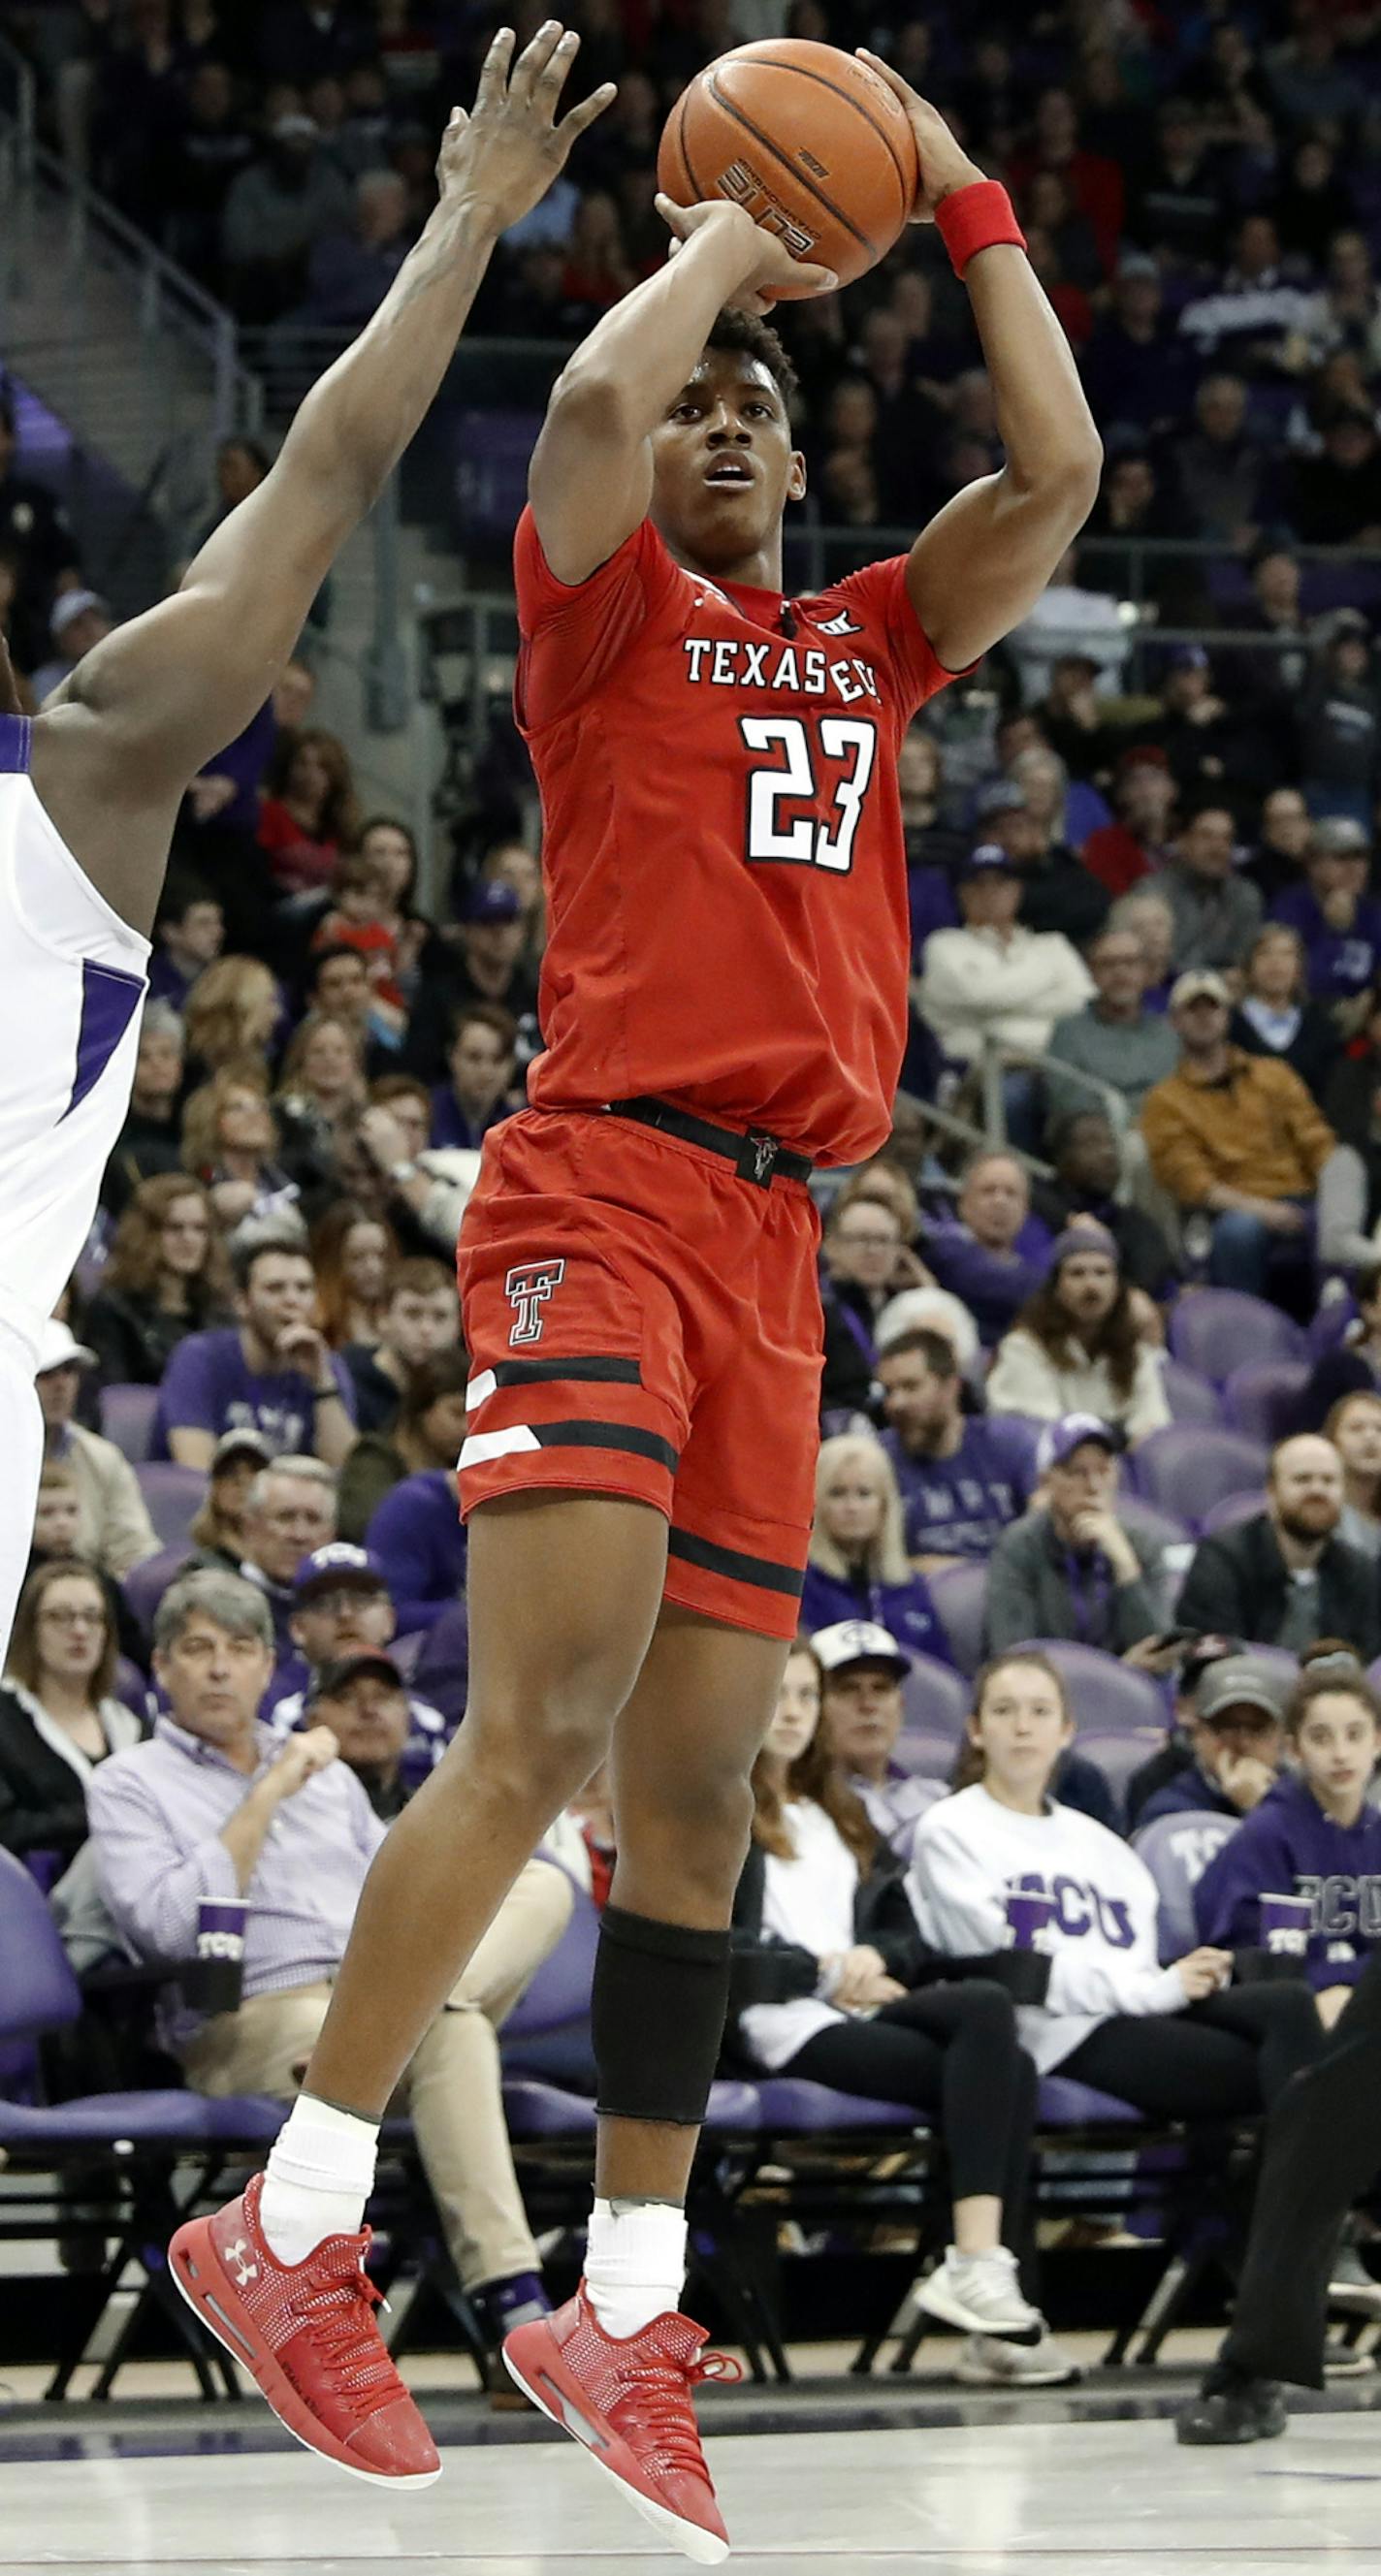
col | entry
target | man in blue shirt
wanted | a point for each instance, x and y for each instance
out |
(1336, 918)
(272, 1372)
(964, 1478)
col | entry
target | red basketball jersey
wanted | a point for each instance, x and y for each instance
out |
(725, 868)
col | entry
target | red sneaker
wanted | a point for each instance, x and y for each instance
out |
(628, 2399)
(307, 2332)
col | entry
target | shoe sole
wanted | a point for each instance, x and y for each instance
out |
(973, 2377)
(937, 2300)
(188, 2247)
(1227, 2441)
(687, 2537)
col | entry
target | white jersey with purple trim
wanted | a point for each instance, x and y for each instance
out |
(74, 980)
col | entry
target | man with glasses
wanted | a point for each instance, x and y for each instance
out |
(342, 1607)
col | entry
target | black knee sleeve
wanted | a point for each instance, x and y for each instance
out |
(657, 2017)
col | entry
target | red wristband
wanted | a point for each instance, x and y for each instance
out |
(974, 219)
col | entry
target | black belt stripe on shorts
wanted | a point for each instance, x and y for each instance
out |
(762, 1571)
(756, 1157)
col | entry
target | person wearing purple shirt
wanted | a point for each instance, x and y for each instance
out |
(858, 1568)
(964, 1478)
(996, 1255)
(1312, 1835)
(188, 937)
(1237, 1733)
(481, 1056)
(418, 1539)
(1338, 921)
(272, 1373)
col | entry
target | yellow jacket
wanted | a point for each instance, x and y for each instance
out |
(1257, 1130)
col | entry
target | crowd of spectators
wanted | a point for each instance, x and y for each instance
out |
(1146, 961)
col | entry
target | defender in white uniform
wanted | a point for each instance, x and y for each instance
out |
(89, 791)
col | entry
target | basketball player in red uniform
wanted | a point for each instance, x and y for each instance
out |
(724, 1004)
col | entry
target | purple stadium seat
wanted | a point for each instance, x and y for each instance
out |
(173, 1496)
(1177, 1851)
(145, 1585)
(1148, 1521)
(794, 2107)
(1330, 1324)
(1064, 2103)
(534, 2110)
(936, 1700)
(959, 1594)
(1187, 1468)
(405, 1652)
(130, 1686)
(127, 1418)
(1105, 1695)
(1260, 1397)
(560, 1991)
(925, 1754)
(1232, 1509)
(1213, 1330)
(1117, 1756)
(1190, 1397)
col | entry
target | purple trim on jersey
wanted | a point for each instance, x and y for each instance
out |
(16, 742)
(110, 999)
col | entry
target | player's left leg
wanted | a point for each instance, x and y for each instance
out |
(618, 2363)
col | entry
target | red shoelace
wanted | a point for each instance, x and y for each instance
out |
(658, 2403)
(338, 2314)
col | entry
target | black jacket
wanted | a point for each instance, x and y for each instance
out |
(1238, 1584)
(42, 1793)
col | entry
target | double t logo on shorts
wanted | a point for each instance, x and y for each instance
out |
(527, 1289)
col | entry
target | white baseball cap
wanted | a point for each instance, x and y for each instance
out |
(57, 1349)
(859, 1641)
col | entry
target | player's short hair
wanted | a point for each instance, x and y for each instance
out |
(748, 335)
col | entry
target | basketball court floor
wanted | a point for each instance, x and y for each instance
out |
(1020, 2491)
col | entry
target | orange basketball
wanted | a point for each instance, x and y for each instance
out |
(808, 139)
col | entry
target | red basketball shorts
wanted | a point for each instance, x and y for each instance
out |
(642, 1321)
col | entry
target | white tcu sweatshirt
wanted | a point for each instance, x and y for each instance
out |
(969, 1851)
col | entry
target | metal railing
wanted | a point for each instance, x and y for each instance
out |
(137, 361)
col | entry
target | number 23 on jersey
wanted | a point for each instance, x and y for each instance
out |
(824, 765)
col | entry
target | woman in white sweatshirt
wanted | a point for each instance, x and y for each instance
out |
(833, 1983)
(1176, 2042)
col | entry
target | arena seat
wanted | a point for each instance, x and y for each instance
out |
(1187, 1468)
(935, 1699)
(1260, 1397)
(127, 1414)
(173, 1496)
(145, 1585)
(1213, 1330)
(1232, 1509)
(1119, 1753)
(1105, 1695)
(1191, 1398)
(960, 1593)
(1177, 1851)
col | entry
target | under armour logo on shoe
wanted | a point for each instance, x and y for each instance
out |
(245, 2270)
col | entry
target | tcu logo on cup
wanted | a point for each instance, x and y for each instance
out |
(527, 1289)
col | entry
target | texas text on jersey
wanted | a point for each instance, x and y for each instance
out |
(725, 866)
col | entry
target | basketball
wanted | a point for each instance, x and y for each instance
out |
(808, 139)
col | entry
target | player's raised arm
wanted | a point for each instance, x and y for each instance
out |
(984, 560)
(173, 687)
(591, 476)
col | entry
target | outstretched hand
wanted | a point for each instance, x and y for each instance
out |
(944, 163)
(770, 274)
(509, 148)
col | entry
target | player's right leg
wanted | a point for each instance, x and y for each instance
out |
(564, 1594)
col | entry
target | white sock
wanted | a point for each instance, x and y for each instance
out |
(635, 2262)
(320, 2174)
